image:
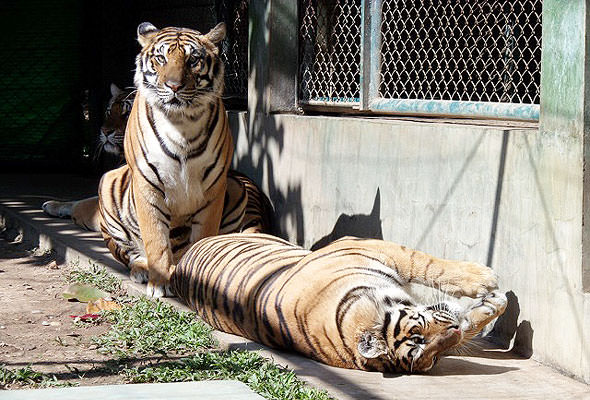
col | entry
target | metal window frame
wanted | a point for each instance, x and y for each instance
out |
(371, 17)
(370, 75)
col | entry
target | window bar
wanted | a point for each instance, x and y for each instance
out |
(476, 109)
(370, 76)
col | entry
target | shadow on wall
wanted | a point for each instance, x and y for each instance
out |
(511, 335)
(359, 225)
(265, 138)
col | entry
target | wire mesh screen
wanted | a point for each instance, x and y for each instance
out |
(458, 50)
(329, 50)
(234, 50)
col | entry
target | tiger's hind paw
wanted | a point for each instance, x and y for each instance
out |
(60, 209)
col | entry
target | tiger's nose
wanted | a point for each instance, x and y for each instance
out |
(174, 85)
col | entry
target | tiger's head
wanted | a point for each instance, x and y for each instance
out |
(112, 130)
(412, 338)
(179, 69)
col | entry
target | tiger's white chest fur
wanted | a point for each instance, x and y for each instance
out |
(169, 146)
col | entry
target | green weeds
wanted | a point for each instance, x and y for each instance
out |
(143, 328)
(146, 327)
(262, 376)
(96, 276)
(26, 376)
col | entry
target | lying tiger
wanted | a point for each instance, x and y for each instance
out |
(112, 131)
(111, 134)
(345, 305)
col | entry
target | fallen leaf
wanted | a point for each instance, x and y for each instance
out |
(52, 265)
(83, 293)
(85, 317)
(101, 305)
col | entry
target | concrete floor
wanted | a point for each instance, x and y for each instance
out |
(487, 373)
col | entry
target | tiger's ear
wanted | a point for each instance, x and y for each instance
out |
(115, 90)
(371, 345)
(217, 34)
(145, 31)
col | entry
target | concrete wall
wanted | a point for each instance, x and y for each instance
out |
(511, 196)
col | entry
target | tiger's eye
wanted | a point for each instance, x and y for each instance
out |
(194, 61)
(419, 340)
(161, 59)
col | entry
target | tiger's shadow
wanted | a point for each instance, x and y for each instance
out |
(359, 225)
(445, 367)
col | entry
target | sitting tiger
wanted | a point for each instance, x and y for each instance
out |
(178, 149)
(174, 189)
(344, 304)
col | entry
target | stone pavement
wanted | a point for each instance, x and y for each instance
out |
(203, 390)
(487, 373)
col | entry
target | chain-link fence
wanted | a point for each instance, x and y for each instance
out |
(234, 50)
(329, 49)
(435, 50)
(455, 50)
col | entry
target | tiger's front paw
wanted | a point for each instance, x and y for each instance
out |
(496, 303)
(485, 311)
(158, 290)
(139, 274)
(473, 280)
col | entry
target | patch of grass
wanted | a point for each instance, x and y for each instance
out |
(261, 375)
(96, 276)
(26, 376)
(147, 327)
(144, 327)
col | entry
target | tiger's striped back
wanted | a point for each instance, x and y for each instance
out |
(246, 209)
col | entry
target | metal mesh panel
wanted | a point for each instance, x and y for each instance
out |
(458, 50)
(329, 52)
(234, 50)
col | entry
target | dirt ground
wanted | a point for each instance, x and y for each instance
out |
(35, 324)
